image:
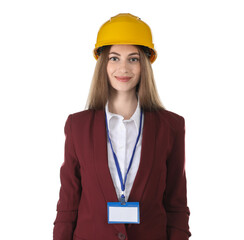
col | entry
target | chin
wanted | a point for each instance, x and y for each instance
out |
(124, 90)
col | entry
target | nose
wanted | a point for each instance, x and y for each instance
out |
(123, 66)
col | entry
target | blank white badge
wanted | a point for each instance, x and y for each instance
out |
(127, 213)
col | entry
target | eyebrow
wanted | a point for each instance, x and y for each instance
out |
(135, 53)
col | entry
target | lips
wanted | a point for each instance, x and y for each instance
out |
(123, 79)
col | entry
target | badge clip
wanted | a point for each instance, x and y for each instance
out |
(122, 199)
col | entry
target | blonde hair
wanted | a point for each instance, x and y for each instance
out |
(146, 88)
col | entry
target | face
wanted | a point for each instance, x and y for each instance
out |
(123, 67)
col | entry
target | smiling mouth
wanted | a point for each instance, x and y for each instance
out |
(123, 79)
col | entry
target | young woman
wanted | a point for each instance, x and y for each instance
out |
(123, 175)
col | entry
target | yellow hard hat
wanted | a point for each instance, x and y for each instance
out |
(125, 28)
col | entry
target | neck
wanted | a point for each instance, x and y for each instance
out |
(123, 104)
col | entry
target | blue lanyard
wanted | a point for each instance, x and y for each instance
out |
(122, 199)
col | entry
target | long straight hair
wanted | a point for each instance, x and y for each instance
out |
(146, 88)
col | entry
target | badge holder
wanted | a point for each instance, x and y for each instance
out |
(123, 213)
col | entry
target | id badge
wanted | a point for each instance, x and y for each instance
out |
(126, 213)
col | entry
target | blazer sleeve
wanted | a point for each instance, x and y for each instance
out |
(175, 196)
(70, 190)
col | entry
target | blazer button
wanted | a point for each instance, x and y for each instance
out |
(121, 236)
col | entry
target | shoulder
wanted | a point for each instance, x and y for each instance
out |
(82, 114)
(170, 119)
(170, 116)
(81, 117)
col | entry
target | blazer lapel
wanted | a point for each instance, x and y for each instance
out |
(101, 162)
(101, 157)
(147, 157)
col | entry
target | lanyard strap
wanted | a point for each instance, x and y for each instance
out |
(122, 183)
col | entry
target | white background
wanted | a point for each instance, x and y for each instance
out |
(46, 66)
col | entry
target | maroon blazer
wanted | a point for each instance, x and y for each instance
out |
(87, 186)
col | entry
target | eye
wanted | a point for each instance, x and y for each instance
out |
(134, 59)
(113, 59)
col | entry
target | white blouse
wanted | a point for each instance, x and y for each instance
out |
(123, 135)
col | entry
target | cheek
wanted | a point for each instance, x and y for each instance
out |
(110, 69)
